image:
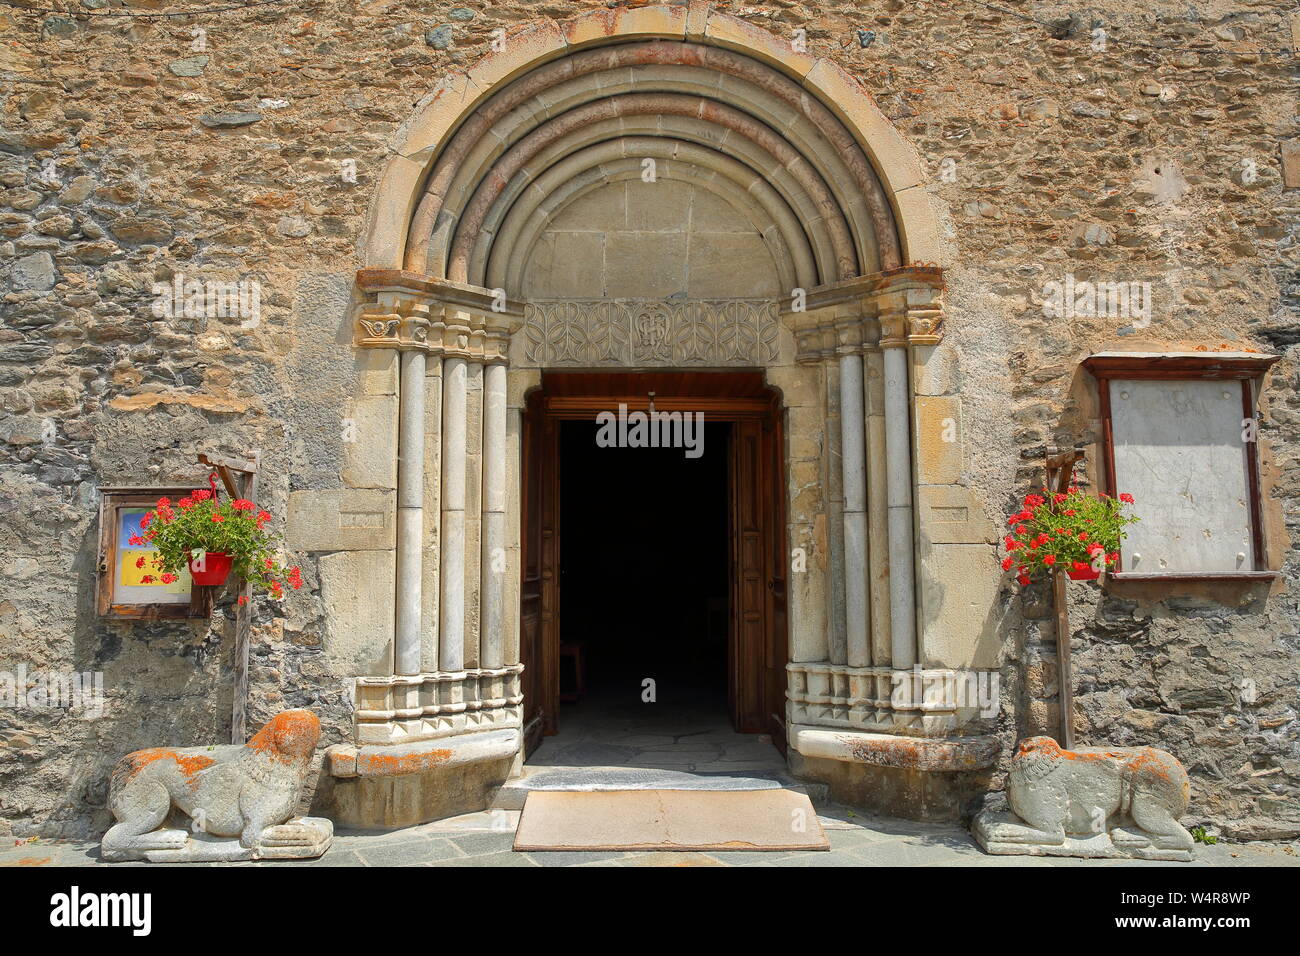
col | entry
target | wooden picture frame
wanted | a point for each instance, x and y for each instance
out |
(1244, 368)
(114, 599)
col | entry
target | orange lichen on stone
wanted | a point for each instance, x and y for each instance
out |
(288, 737)
(388, 765)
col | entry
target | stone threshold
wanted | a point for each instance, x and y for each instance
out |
(348, 760)
(892, 750)
(514, 792)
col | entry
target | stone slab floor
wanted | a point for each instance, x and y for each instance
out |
(484, 839)
(608, 743)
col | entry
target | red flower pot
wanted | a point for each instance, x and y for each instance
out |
(215, 568)
(1087, 574)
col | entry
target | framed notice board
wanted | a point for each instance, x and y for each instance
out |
(122, 590)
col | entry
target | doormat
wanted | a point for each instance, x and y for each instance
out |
(669, 820)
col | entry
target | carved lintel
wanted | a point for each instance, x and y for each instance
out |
(639, 333)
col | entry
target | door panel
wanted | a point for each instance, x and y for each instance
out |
(749, 601)
(777, 562)
(539, 590)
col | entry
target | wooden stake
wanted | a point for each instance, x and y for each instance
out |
(1060, 469)
(240, 480)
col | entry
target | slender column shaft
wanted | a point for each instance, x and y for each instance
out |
(898, 479)
(451, 609)
(877, 508)
(853, 461)
(410, 511)
(493, 572)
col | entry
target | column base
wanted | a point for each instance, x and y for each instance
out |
(916, 778)
(372, 787)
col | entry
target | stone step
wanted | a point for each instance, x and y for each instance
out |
(513, 792)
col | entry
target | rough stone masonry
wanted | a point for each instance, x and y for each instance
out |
(218, 146)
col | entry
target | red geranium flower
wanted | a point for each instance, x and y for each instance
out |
(242, 504)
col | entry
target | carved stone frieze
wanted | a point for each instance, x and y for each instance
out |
(704, 333)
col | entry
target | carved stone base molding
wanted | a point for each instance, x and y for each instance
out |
(920, 778)
(918, 702)
(405, 709)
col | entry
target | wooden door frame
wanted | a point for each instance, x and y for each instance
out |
(578, 396)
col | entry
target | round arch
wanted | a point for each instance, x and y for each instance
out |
(715, 89)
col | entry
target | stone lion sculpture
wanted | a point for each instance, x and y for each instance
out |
(239, 798)
(1091, 802)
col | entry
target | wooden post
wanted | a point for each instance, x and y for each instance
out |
(240, 485)
(1060, 469)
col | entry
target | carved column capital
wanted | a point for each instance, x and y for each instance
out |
(404, 310)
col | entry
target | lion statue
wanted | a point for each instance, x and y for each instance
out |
(240, 799)
(1093, 801)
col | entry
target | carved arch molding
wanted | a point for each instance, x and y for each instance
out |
(793, 143)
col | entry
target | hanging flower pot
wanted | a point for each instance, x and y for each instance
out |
(1069, 531)
(1084, 573)
(212, 568)
(215, 539)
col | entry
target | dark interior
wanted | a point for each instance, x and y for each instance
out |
(644, 568)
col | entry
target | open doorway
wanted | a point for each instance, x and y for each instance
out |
(653, 593)
(643, 571)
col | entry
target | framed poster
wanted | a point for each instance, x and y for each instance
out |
(127, 583)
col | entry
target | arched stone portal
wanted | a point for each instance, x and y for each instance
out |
(680, 163)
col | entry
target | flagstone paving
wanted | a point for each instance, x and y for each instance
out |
(485, 839)
(606, 745)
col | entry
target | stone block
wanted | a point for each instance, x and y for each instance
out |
(919, 225)
(726, 266)
(371, 460)
(537, 43)
(357, 594)
(800, 385)
(341, 519)
(566, 264)
(386, 233)
(935, 369)
(660, 206)
(377, 371)
(599, 25)
(951, 514)
(649, 265)
(938, 440)
(734, 33)
(959, 586)
(1291, 164)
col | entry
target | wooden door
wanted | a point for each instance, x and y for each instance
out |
(539, 616)
(777, 562)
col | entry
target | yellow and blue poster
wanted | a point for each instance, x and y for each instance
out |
(135, 563)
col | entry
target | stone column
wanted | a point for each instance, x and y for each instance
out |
(451, 610)
(857, 602)
(873, 365)
(898, 480)
(410, 512)
(493, 568)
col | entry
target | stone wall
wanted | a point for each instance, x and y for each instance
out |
(127, 156)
